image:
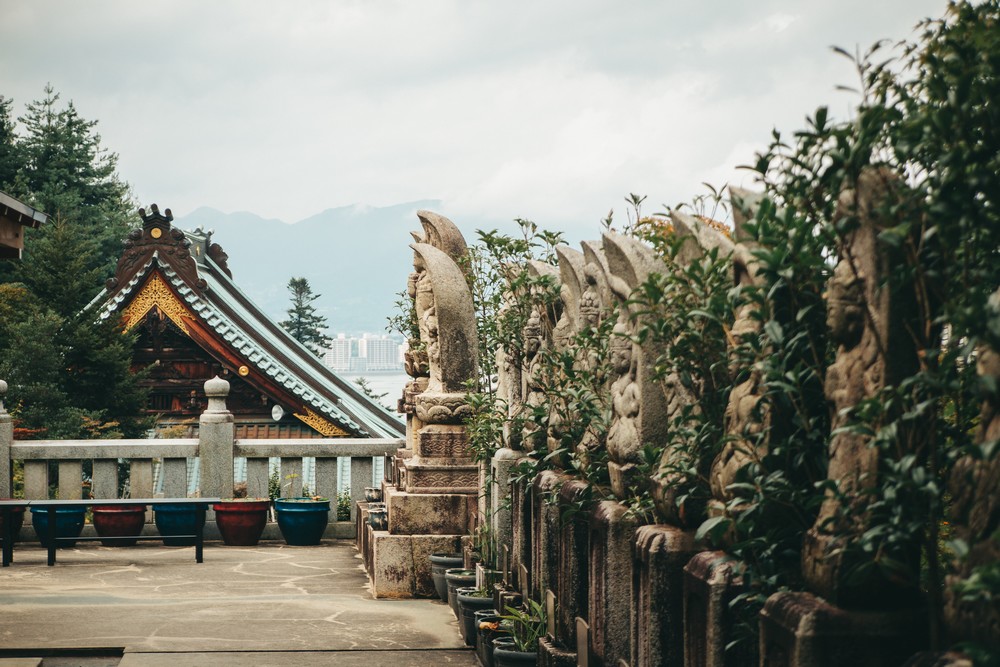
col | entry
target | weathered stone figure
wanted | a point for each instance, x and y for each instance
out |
(868, 321)
(537, 337)
(975, 514)
(638, 405)
(595, 306)
(572, 285)
(746, 419)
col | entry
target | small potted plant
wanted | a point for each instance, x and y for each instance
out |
(470, 600)
(526, 628)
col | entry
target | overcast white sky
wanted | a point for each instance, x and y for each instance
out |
(549, 110)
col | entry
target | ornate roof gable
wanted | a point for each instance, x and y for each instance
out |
(156, 237)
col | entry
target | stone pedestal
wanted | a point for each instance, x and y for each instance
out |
(802, 630)
(429, 513)
(520, 561)
(545, 532)
(500, 498)
(401, 566)
(551, 655)
(661, 552)
(711, 582)
(442, 462)
(610, 592)
(572, 581)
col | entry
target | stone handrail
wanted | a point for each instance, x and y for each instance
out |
(216, 448)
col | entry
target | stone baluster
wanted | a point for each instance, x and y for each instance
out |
(6, 440)
(216, 434)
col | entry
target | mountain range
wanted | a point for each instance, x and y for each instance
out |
(357, 258)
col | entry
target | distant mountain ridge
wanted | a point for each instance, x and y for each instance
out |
(356, 257)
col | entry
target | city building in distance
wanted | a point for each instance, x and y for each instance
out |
(369, 353)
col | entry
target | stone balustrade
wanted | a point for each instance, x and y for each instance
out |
(216, 451)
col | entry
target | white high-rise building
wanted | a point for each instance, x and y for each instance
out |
(338, 357)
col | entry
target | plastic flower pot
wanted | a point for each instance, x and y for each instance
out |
(439, 564)
(69, 523)
(241, 521)
(301, 520)
(119, 521)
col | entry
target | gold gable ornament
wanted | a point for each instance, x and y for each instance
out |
(321, 425)
(156, 293)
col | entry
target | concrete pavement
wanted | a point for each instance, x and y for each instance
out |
(266, 605)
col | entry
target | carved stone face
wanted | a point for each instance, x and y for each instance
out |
(621, 349)
(590, 306)
(845, 305)
(532, 334)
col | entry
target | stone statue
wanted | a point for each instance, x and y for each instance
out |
(448, 328)
(700, 238)
(638, 406)
(869, 325)
(537, 337)
(745, 417)
(975, 514)
(571, 288)
(595, 306)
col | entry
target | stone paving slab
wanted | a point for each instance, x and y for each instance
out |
(270, 600)
(415, 658)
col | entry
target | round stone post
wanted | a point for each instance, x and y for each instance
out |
(6, 440)
(216, 432)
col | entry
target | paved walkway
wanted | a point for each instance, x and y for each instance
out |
(267, 605)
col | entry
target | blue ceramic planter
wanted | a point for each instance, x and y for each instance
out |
(69, 523)
(174, 520)
(302, 521)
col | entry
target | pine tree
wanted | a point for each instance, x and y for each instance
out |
(69, 374)
(68, 174)
(10, 160)
(305, 325)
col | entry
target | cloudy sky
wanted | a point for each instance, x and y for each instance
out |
(549, 110)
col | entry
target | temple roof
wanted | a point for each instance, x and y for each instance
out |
(185, 276)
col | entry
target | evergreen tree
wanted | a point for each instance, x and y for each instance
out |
(10, 160)
(69, 374)
(303, 323)
(65, 172)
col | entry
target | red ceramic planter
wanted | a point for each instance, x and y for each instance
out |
(241, 522)
(119, 521)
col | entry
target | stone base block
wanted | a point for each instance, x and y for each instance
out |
(661, 552)
(572, 575)
(429, 513)
(711, 581)
(552, 655)
(436, 476)
(938, 659)
(802, 630)
(610, 592)
(401, 566)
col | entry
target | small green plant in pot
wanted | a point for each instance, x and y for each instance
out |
(526, 627)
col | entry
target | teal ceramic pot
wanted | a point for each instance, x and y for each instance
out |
(302, 521)
(69, 523)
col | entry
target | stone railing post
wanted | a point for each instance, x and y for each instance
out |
(6, 440)
(216, 433)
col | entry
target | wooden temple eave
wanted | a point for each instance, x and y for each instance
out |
(157, 296)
